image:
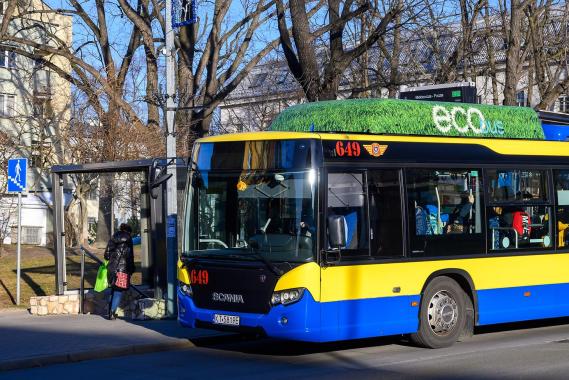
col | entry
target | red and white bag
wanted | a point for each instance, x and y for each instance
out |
(122, 280)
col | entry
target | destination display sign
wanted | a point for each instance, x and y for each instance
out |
(408, 117)
(462, 94)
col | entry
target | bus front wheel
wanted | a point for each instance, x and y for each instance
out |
(442, 316)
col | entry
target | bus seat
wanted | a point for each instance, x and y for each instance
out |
(562, 233)
(351, 218)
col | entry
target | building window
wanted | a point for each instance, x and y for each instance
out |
(521, 99)
(7, 59)
(281, 79)
(7, 103)
(564, 104)
(258, 79)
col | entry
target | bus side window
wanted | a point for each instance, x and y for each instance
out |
(347, 197)
(562, 193)
(519, 216)
(445, 212)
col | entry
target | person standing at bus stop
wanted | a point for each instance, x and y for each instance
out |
(120, 254)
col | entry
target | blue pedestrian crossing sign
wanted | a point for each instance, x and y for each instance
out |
(17, 169)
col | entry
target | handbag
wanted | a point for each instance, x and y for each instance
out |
(102, 283)
(122, 280)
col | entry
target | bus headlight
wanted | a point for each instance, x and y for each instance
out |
(186, 289)
(286, 297)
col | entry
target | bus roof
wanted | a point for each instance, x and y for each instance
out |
(410, 117)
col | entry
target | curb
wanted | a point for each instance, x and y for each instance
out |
(105, 353)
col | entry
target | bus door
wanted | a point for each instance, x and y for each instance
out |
(364, 228)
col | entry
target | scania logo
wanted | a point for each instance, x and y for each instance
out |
(226, 297)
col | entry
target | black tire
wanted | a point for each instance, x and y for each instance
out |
(442, 316)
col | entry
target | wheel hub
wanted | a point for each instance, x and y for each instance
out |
(442, 313)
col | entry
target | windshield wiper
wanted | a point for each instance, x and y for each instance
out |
(262, 259)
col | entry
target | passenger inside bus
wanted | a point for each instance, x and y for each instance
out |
(461, 218)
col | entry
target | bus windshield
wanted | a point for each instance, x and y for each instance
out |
(254, 212)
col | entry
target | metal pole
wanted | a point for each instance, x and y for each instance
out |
(171, 185)
(82, 284)
(18, 251)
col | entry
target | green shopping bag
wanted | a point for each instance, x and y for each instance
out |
(102, 283)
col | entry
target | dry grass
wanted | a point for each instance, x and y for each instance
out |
(38, 273)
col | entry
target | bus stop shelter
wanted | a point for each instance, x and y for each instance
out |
(157, 264)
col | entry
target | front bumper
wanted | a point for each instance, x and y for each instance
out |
(297, 321)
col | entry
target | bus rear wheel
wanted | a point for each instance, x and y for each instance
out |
(442, 316)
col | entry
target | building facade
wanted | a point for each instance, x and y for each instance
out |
(35, 110)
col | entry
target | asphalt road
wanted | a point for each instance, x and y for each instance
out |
(521, 351)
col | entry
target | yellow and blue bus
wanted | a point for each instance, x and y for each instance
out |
(335, 225)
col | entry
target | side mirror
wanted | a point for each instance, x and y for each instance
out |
(337, 231)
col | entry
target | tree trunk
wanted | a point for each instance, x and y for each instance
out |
(513, 53)
(105, 214)
(151, 88)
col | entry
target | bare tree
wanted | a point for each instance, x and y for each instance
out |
(215, 55)
(305, 58)
(97, 64)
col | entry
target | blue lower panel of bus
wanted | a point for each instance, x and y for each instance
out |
(308, 320)
(522, 303)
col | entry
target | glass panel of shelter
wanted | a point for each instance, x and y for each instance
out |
(96, 204)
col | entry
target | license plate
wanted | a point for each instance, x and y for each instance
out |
(231, 320)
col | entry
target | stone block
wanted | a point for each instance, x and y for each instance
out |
(52, 298)
(63, 299)
(43, 301)
(149, 308)
(59, 309)
(33, 301)
(34, 310)
(52, 307)
(68, 307)
(74, 297)
(42, 310)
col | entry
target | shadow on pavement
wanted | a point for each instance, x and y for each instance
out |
(276, 347)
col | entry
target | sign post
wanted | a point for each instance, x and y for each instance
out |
(179, 13)
(17, 172)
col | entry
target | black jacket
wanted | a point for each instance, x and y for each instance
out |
(120, 254)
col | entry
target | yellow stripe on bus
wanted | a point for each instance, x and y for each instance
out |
(379, 280)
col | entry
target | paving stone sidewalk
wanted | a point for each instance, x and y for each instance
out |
(30, 341)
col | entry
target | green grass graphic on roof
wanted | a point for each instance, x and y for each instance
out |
(410, 117)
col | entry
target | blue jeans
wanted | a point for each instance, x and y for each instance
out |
(116, 296)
